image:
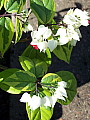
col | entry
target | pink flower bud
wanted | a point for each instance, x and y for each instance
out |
(35, 47)
(88, 21)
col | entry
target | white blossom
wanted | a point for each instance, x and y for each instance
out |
(53, 100)
(63, 39)
(70, 19)
(27, 27)
(52, 44)
(35, 101)
(76, 18)
(40, 37)
(46, 101)
(82, 16)
(68, 34)
(42, 45)
(60, 92)
(25, 97)
(73, 33)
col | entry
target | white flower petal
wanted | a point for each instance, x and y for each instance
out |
(60, 92)
(35, 102)
(47, 34)
(84, 22)
(42, 29)
(52, 44)
(61, 32)
(25, 97)
(42, 46)
(46, 99)
(53, 100)
(73, 42)
(63, 40)
(62, 84)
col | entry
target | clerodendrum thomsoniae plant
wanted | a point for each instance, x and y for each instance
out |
(41, 90)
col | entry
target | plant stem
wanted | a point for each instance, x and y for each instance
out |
(6, 15)
(3, 67)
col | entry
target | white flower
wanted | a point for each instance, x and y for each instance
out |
(52, 44)
(70, 19)
(46, 101)
(42, 45)
(40, 37)
(68, 34)
(44, 32)
(73, 42)
(82, 15)
(35, 102)
(53, 100)
(76, 18)
(63, 36)
(62, 84)
(60, 92)
(27, 28)
(49, 101)
(25, 97)
(73, 33)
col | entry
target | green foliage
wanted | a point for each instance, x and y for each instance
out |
(36, 54)
(37, 67)
(71, 86)
(5, 74)
(21, 80)
(51, 78)
(1, 3)
(63, 52)
(13, 5)
(41, 113)
(6, 33)
(18, 30)
(49, 82)
(43, 9)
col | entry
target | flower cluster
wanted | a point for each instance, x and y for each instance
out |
(35, 101)
(43, 38)
(73, 20)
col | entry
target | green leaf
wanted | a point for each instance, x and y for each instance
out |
(70, 88)
(37, 67)
(9, 89)
(3, 75)
(43, 9)
(28, 111)
(1, 3)
(32, 53)
(13, 5)
(18, 30)
(51, 78)
(21, 80)
(41, 113)
(6, 73)
(6, 33)
(22, 2)
(63, 52)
